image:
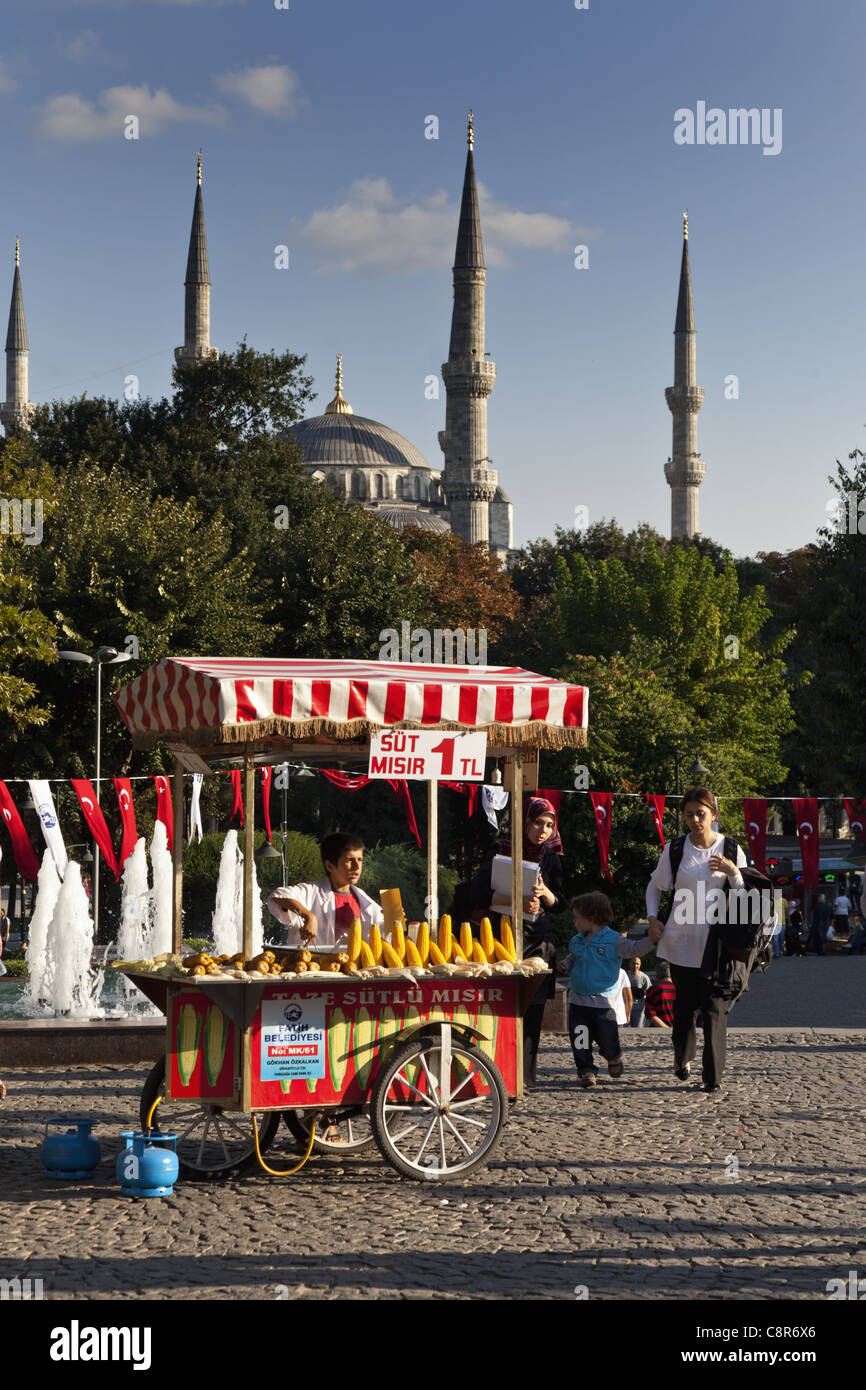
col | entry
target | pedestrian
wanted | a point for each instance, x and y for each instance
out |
(842, 911)
(660, 998)
(593, 967)
(779, 929)
(5, 928)
(822, 916)
(793, 930)
(703, 869)
(639, 983)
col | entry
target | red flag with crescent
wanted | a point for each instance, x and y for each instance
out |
(352, 782)
(96, 820)
(25, 855)
(755, 812)
(237, 799)
(657, 811)
(164, 808)
(123, 787)
(856, 813)
(601, 805)
(806, 811)
(267, 773)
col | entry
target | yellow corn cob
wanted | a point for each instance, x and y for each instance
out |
(478, 953)
(398, 941)
(412, 955)
(389, 956)
(501, 952)
(376, 944)
(423, 942)
(466, 940)
(445, 936)
(486, 937)
(456, 953)
(353, 949)
(436, 957)
(188, 1038)
(365, 956)
(507, 937)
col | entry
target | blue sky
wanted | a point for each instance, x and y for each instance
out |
(312, 122)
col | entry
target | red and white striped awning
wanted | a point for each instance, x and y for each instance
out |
(229, 700)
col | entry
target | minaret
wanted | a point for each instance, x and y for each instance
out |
(338, 406)
(468, 477)
(196, 319)
(684, 470)
(16, 410)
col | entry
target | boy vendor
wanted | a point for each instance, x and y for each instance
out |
(321, 914)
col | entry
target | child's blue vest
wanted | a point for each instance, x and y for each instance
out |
(596, 964)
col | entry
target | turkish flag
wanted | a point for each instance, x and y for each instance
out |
(470, 789)
(123, 787)
(856, 813)
(352, 782)
(96, 820)
(601, 805)
(164, 809)
(25, 855)
(267, 773)
(657, 811)
(806, 811)
(237, 801)
(551, 795)
(755, 812)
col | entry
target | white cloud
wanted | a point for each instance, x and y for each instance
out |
(85, 47)
(73, 117)
(371, 229)
(272, 88)
(7, 81)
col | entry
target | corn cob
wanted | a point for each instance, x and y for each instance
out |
(487, 1023)
(188, 1038)
(389, 956)
(216, 1031)
(338, 1047)
(388, 1026)
(353, 949)
(413, 956)
(198, 970)
(486, 937)
(501, 953)
(436, 957)
(410, 1019)
(200, 959)
(365, 956)
(362, 1046)
(398, 940)
(478, 953)
(422, 941)
(456, 954)
(507, 937)
(445, 936)
(466, 940)
(376, 944)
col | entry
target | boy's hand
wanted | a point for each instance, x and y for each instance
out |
(310, 929)
(656, 930)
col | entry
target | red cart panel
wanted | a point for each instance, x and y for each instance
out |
(202, 1048)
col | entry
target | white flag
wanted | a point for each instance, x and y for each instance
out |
(493, 799)
(194, 806)
(47, 813)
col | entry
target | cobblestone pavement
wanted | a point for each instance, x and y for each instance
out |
(642, 1188)
(807, 991)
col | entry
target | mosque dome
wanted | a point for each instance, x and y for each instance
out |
(340, 438)
(401, 517)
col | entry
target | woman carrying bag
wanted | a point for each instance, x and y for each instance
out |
(704, 862)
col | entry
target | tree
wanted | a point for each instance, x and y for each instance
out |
(462, 585)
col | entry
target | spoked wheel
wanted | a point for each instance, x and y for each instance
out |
(438, 1107)
(212, 1143)
(353, 1127)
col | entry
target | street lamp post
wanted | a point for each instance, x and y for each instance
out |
(106, 656)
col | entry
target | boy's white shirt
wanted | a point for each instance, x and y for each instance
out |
(318, 897)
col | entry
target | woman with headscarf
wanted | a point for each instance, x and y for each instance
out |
(542, 846)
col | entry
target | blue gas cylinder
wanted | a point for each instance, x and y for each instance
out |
(73, 1154)
(144, 1167)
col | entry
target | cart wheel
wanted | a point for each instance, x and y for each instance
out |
(438, 1126)
(353, 1126)
(211, 1142)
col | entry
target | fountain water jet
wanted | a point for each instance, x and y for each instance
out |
(161, 896)
(40, 965)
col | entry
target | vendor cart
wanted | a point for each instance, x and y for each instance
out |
(423, 1064)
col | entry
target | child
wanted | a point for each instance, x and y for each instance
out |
(321, 914)
(593, 964)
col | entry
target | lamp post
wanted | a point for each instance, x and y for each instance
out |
(106, 656)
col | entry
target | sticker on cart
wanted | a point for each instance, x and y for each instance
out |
(293, 1039)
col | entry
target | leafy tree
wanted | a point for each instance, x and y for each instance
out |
(463, 585)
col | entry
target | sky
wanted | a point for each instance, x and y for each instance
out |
(313, 120)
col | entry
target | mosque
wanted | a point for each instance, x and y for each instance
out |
(373, 466)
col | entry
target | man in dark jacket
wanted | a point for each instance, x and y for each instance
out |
(822, 916)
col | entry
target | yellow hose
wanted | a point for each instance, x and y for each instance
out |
(150, 1113)
(287, 1172)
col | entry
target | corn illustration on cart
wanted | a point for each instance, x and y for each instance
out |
(423, 1062)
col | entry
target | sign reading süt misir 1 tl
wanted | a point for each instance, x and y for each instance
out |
(428, 757)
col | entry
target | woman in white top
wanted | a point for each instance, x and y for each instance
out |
(698, 895)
